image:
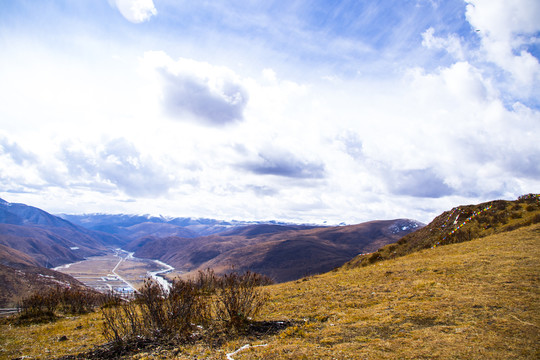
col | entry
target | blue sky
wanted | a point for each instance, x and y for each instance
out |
(305, 111)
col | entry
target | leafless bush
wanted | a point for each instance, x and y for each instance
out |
(156, 314)
(122, 322)
(239, 297)
(77, 301)
(38, 307)
(111, 299)
(186, 305)
(207, 281)
(208, 302)
(45, 304)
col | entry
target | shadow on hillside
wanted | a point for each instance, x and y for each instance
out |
(254, 330)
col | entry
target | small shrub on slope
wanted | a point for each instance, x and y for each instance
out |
(209, 302)
(46, 305)
(239, 297)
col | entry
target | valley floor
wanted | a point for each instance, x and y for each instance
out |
(117, 271)
(474, 300)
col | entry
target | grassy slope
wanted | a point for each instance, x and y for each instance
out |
(477, 299)
(461, 224)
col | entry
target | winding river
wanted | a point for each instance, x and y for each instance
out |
(119, 270)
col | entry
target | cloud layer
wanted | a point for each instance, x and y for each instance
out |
(283, 163)
(136, 11)
(192, 90)
(278, 110)
(118, 163)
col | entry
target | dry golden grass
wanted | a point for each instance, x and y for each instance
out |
(478, 299)
(473, 300)
(43, 341)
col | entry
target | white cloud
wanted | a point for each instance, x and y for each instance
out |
(506, 28)
(120, 164)
(292, 130)
(279, 162)
(15, 152)
(503, 20)
(192, 90)
(136, 11)
(450, 44)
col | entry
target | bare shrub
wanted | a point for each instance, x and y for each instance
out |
(44, 305)
(150, 299)
(173, 314)
(240, 297)
(155, 314)
(110, 299)
(207, 281)
(76, 301)
(206, 302)
(122, 322)
(38, 307)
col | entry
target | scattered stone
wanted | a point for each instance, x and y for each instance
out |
(63, 338)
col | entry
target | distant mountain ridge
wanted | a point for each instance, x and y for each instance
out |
(50, 240)
(31, 240)
(133, 227)
(283, 252)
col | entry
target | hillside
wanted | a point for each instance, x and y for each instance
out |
(283, 252)
(473, 300)
(47, 247)
(22, 275)
(31, 241)
(15, 258)
(48, 239)
(19, 281)
(462, 223)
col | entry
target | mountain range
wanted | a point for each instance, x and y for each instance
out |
(283, 252)
(463, 286)
(135, 226)
(50, 240)
(32, 241)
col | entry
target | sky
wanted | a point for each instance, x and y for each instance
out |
(306, 111)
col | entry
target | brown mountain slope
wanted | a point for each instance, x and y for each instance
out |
(17, 283)
(15, 258)
(281, 252)
(473, 300)
(48, 239)
(291, 255)
(48, 247)
(462, 223)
